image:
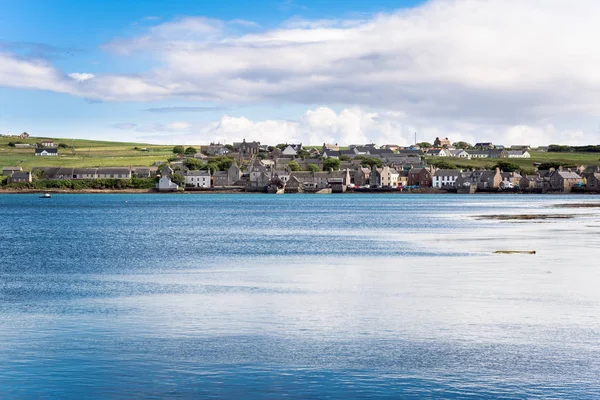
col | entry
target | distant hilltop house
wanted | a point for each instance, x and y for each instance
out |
(291, 149)
(46, 152)
(443, 142)
(331, 147)
(48, 143)
(485, 145)
(246, 148)
(24, 135)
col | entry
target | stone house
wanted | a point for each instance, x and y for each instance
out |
(362, 176)
(19, 177)
(564, 181)
(246, 149)
(419, 177)
(489, 180)
(385, 177)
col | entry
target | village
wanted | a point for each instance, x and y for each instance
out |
(250, 166)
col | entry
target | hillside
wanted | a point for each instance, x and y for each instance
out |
(83, 153)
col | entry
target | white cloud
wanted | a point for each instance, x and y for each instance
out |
(81, 77)
(493, 65)
(349, 126)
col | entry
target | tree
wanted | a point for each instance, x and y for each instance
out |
(424, 145)
(313, 168)
(507, 166)
(229, 147)
(281, 146)
(63, 146)
(462, 145)
(443, 164)
(367, 161)
(293, 166)
(331, 163)
(344, 158)
(304, 154)
(178, 179)
(191, 151)
(193, 164)
(178, 150)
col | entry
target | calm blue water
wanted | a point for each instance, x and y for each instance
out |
(299, 296)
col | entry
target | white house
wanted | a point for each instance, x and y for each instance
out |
(166, 185)
(289, 151)
(459, 153)
(46, 152)
(199, 179)
(518, 154)
(445, 178)
(438, 153)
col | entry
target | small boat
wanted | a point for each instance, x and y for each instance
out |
(280, 191)
(46, 196)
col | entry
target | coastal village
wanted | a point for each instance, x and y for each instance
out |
(293, 168)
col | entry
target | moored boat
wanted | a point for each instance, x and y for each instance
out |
(45, 196)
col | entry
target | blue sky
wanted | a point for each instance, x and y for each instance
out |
(197, 71)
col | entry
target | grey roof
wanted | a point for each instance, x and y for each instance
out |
(115, 170)
(21, 175)
(447, 172)
(46, 149)
(568, 175)
(198, 173)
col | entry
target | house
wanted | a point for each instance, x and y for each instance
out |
(510, 179)
(385, 177)
(489, 180)
(410, 152)
(337, 185)
(24, 135)
(543, 149)
(113, 173)
(362, 176)
(520, 147)
(518, 154)
(144, 172)
(478, 153)
(484, 145)
(445, 178)
(166, 185)
(22, 145)
(593, 181)
(444, 142)
(291, 150)
(459, 153)
(419, 177)
(392, 147)
(437, 153)
(44, 152)
(201, 157)
(197, 179)
(48, 143)
(328, 146)
(533, 182)
(215, 149)
(331, 154)
(564, 181)
(246, 148)
(18, 177)
(7, 171)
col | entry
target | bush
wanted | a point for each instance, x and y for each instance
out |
(313, 168)
(133, 183)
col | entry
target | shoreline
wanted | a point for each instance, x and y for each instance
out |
(238, 191)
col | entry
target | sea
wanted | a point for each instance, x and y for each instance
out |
(252, 296)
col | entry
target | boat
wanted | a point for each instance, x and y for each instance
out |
(280, 191)
(46, 196)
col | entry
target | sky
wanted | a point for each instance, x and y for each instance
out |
(309, 71)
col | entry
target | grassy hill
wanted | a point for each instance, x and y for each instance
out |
(84, 153)
(586, 159)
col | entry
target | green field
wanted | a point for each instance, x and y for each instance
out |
(84, 153)
(526, 164)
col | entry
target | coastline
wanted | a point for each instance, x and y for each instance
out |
(241, 191)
